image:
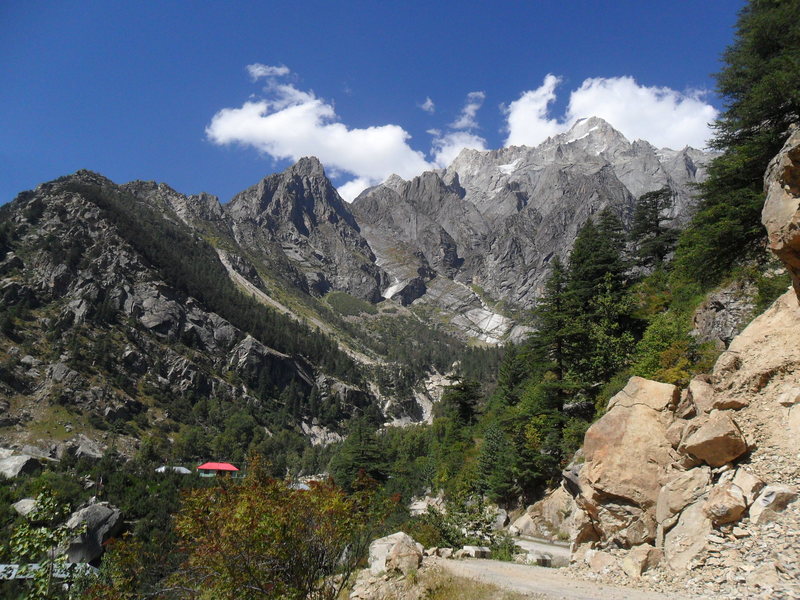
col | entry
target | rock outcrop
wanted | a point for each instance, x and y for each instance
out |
(714, 487)
(100, 522)
(781, 213)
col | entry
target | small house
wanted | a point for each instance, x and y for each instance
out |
(212, 469)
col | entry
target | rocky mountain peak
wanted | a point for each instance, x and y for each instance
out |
(308, 166)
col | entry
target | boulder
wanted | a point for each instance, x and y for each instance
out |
(687, 540)
(523, 525)
(101, 521)
(653, 394)
(640, 559)
(550, 517)
(717, 442)
(24, 506)
(444, 553)
(680, 492)
(627, 457)
(404, 557)
(726, 503)
(748, 483)
(21, 464)
(500, 519)
(379, 550)
(781, 212)
(772, 499)
(600, 561)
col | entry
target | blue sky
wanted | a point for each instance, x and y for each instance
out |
(162, 90)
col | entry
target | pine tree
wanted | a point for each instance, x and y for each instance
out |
(555, 318)
(496, 466)
(359, 453)
(651, 237)
(760, 83)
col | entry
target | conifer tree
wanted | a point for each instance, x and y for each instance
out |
(652, 238)
(760, 84)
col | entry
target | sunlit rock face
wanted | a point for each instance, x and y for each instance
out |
(493, 220)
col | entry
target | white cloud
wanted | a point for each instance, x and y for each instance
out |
(662, 116)
(466, 120)
(428, 106)
(350, 190)
(290, 123)
(258, 70)
(445, 148)
(527, 117)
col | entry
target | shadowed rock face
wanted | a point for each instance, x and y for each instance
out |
(300, 214)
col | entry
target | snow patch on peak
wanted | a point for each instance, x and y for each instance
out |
(509, 168)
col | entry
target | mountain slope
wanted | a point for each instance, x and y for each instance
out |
(494, 220)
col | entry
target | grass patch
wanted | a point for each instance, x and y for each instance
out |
(349, 306)
(442, 586)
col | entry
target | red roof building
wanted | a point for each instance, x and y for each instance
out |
(211, 469)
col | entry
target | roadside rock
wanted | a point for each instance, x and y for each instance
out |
(627, 457)
(640, 559)
(404, 557)
(716, 442)
(380, 549)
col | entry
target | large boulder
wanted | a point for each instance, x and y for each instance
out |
(781, 212)
(100, 522)
(717, 442)
(21, 464)
(627, 458)
(380, 549)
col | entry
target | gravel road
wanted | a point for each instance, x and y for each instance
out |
(542, 583)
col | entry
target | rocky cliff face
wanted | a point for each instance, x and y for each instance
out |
(299, 214)
(487, 226)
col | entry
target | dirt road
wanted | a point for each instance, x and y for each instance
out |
(542, 583)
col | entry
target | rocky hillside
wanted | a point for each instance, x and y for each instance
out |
(119, 317)
(695, 490)
(475, 240)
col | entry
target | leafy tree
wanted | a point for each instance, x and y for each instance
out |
(262, 538)
(41, 540)
(652, 238)
(760, 83)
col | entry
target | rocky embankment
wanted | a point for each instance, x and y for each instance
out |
(694, 491)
